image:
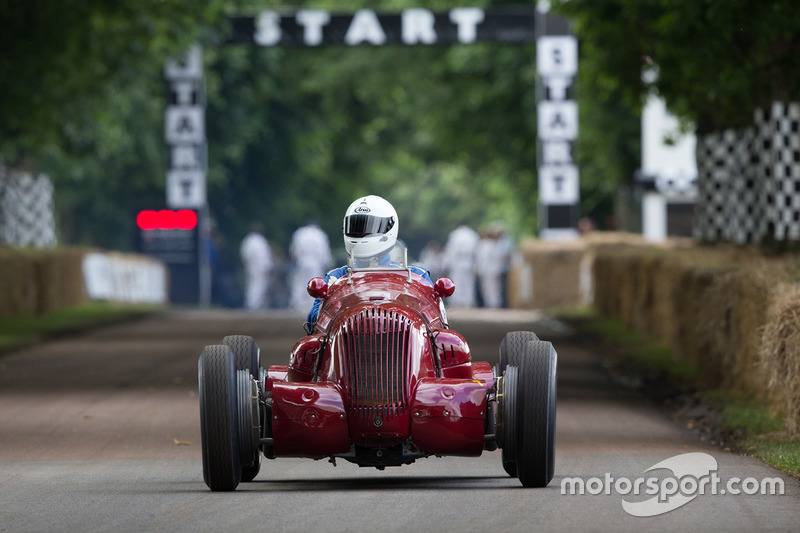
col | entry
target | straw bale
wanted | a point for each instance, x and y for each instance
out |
(694, 343)
(554, 268)
(718, 327)
(37, 281)
(71, 291)
(47, 279)
(780, 351)
(711, 305)
(661, 323)
(751, 315)
(18, 287)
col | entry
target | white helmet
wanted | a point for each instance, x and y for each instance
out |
(370, 227)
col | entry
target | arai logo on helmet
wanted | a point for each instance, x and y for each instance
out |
(362, 209)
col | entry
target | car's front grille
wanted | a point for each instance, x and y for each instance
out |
(376, 344)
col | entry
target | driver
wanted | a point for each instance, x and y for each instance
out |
(370, 232)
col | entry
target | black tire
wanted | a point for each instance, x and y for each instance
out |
(536, 431)
(508, 420)
(512, 349)
(219, 428)
(246, 353)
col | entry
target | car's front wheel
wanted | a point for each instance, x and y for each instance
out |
(246, 356)
(536, 432)
(219, 425)
(512, 350)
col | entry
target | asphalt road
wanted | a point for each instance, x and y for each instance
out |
(101, 433)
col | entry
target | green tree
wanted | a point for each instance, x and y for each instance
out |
(81, 100)
(62, 61)
(448, 132)
(716, 60)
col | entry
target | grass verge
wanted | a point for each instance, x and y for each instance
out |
(722, 417)
(21, 331)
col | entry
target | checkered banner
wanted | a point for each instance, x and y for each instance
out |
(26, 209)
(749, 180)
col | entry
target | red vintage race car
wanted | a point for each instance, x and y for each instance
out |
(381, 381)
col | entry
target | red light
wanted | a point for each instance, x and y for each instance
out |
(184, 219)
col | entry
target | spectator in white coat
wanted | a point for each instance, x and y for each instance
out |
(494, 252)
(311, 254)
(257, 261)
(506, 254)
(459, 260)
(488, 271)
(431, 257)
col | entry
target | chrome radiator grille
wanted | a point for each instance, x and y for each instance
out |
(376, 344)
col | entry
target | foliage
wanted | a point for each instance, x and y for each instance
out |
(61, 61)
(82, 101)
(783, 454)
(428, 127)
(716, 61)
(446, 132)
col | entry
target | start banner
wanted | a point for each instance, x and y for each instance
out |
(414, 26)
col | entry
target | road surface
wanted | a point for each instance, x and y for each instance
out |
(101, 433)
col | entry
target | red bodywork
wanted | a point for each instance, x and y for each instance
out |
(382, 380)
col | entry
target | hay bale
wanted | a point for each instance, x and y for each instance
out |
(694, 341)
(37, 281)
(711, 305)
(611, 292)
(751, 316)
(780, 351)
(70, 291)
(719, 328)
(606, 298)
(662, 313)
(19, 290)
(553, 271)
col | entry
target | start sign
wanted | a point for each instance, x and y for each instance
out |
(185, 131)
(315, 27)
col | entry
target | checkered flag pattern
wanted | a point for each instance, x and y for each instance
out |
(785, 205)
(762, 166)
(26, 210)
(744, 205)
(715, 162)
(749, 180)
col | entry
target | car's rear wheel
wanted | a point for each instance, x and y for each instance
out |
(536, 431)
(246, 354)
(507, 419)
(512, 349)
(219, 428)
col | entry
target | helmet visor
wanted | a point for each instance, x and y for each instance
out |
(363, 225)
